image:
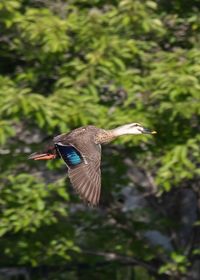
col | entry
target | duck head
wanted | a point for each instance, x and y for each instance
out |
(132, 128)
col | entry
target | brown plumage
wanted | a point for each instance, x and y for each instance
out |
(81, 151)
(86, 176)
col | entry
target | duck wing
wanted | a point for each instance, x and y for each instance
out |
(83, 162)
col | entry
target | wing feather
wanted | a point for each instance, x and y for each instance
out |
(85, 176)
(85, 179)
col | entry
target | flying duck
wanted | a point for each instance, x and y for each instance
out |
(80, 149)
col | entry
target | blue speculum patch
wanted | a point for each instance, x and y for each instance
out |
(69, 154)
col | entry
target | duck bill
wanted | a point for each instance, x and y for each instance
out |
(44, 156)
(148, 131)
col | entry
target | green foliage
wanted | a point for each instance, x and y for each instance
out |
(65, 64)
(179, 263)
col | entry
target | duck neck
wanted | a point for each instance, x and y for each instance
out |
(106, 136)
(120, 130)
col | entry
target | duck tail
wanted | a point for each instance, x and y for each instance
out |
(50, 154)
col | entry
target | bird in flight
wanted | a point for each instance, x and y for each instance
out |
(80, 149)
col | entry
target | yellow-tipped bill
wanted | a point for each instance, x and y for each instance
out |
(148, 131)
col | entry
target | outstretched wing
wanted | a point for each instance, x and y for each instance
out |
(83, 170)
(86, 180)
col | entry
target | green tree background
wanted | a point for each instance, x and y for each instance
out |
(64, 64)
